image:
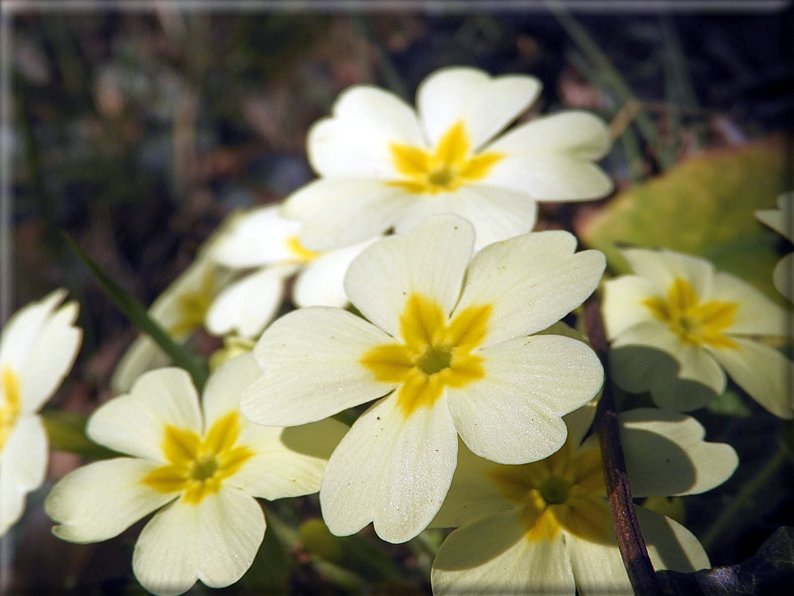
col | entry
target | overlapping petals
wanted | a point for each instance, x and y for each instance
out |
(381, 164)
(780, 220)
(447, 343)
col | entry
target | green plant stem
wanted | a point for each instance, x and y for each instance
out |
(728, 515)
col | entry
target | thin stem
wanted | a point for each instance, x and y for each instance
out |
(624, 518)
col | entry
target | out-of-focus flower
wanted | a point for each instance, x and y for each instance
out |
(678, 305)
(264, 241)
(545, 527)
(382, 164)
(37, 348)
(202, 464)
(782, 221)
(447, 345)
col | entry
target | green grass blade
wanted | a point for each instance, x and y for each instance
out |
(137, 314)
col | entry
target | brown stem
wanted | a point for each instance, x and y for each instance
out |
(627, 528)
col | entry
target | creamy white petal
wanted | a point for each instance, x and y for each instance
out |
(256, 238)
(249, 304)
(666, 454)
(355, 141)
(102, 499)
(638, 369)
(143, 355)
(497, 214)
(756, 314)
(763, 372)
(513, 415)
(598, 568)
(531, 282)
(214, 541)
(430, 261)
(580, 420)
(23, 466)
(21, 331)
(622, 305)
(695, 363)
(783, 276)
(484, 104)
(321, 282)
(341, 212)
(550, 177)
(663, 267)
(576, 134)
(491, 556)
(472, 494)
(780, 219)
(288, 462)
(328, 343)
(391, 470)
(670, 545)
(225, 387)
(134, 423)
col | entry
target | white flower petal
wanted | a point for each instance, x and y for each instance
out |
(598, 568)
(288, 462)
(580, 420)
(514, 414)
(663, 267)
(255, 239)
(249, 304)
(763, 372)
(531, 281)
(430, 261)
(328, 343)
(638, 369)
(491, 556)
(622, 304)
(670, 545)
(23, 466)
(551, 177)
(666, 455)
(756, 314)
(391, 470)
(695, 363)
(341, 212)
(783, 276)
(497, 214)
(472, 494)
(780, 219)
(484, 104)
(214, 541)
(225, 387)
(355, 141)
(321, 282)
(22, 330)
(134, 423)
(576, 134)
(102, 499)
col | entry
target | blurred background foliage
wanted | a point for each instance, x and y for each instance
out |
(138, 131)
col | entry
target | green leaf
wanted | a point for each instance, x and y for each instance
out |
(705, 207)
(137, 314)
(269, 573)
(66, 432)
(729, 403)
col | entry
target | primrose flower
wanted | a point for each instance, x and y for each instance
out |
(782, 221)
(201, 465)
(264, 241)
(447, 345)
(545, 527)
(382, 165)
(37, 348)
(180, 310)
(678, 308)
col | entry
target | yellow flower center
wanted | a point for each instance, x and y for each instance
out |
(197, 468)
(299, 252)
(694, 322)
(436, 353)
(451, 166)
(193, 306)
(563, 491)
(10, 405)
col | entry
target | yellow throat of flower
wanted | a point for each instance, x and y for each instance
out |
(193, 306)
(436, 353)
(197, 468)
(10, 406)
(451, 166)
(299, 252)
(563, 491)
(694, 322)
